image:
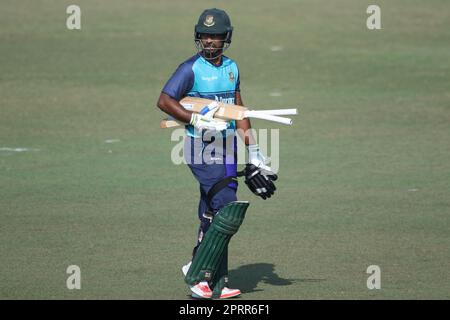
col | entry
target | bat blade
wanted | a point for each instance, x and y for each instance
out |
(225, 111)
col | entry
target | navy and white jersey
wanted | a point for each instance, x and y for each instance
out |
(196, 77)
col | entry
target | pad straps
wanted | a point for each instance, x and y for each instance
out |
(216, 188)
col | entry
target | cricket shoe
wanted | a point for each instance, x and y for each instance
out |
(226, 293)
(229, 293)
(201, 291)
(185, 268)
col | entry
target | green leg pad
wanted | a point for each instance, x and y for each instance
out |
(218, 282)
(214, 246)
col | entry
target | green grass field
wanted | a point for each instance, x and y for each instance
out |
(364, 170)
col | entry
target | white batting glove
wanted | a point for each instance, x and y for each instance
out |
(205, 120)
(256, 158)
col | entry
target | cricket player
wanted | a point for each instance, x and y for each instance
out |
(210, 151)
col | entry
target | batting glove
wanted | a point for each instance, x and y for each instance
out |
(260, 182)
(204, 119)
(256, 158)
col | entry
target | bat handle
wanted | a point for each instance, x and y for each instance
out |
(279, 112)
(169, 123)
(269, 117)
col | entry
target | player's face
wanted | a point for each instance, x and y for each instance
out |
(212, 44)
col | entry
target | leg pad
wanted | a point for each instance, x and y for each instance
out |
(214, 246)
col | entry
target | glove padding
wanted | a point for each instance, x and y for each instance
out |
(259, 181)
(205, 119)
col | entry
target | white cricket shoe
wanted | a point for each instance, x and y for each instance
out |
(201, 290)
(226, 293)
(229, 293)
(185, 268)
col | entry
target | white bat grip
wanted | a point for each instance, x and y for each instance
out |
(279, 112)
(268, 117)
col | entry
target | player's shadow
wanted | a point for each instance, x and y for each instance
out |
(247, 277)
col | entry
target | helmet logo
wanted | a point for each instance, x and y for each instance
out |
(209, 21)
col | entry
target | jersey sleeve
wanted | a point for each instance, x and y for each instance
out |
(238, 83)
(180, 82)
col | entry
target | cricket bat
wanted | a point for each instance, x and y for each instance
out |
(230, 111)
